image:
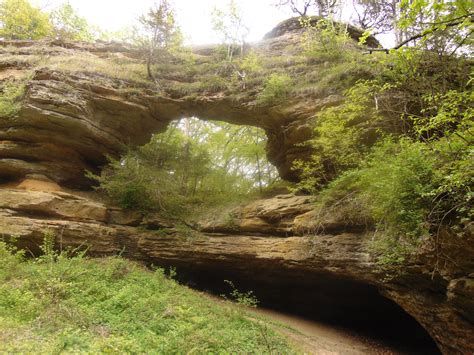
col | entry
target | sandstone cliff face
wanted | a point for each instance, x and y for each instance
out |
(85, 101)
(73, 115)
(263, 244)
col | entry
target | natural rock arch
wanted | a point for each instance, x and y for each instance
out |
(71, 119)
(68, 125)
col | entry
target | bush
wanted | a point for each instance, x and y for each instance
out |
(325, 40)
(276, 87)
(251, 63)
(133, 184)
(410, 190)
(10, 98)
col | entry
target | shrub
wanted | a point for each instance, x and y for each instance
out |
(251, 63)
(10, 98)
(247, 299)
(276, 87)
(410, 189)
(135, 185)
(325, 40)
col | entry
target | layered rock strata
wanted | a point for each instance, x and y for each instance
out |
(73, 115)
(263, 243)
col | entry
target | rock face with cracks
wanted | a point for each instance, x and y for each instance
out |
(80, 105)
(264, 243)
(71, 119)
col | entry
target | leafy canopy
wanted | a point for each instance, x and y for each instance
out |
(194, 164)
(68, 25)
(20, 20)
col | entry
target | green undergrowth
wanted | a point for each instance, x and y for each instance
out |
(399, 151)
(11, 93)
(68, 303)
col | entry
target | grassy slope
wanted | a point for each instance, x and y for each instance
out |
(57, 304)
(187, 74)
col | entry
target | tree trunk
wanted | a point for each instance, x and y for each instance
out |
(149, 61)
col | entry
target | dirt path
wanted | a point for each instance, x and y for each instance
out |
(312, 337)
(317, 338)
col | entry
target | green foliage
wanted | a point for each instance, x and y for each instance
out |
(230, 222)
(10, 98)
(10, 257)
(397, 178)
(68, 25)
(158, 33)
(325, 40)
(444, 113)
(400, 147)
(20, 20)
(342, 135)
(276, 87)
(61, 303)
(193, 165)
(365, 35)
(411, 190)
(157, 176)
(443, 26)
(251, 63)
(247, 299)
(229, 25)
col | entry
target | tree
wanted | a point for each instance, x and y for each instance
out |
(323, 8)
(158, 33)
(298, 7)
(439, 25)
(377, 16)
(194, 164)
(442, 26)
(68, 25)
(20, 20)
(230, 26)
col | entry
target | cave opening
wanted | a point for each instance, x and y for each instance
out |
(353, 307)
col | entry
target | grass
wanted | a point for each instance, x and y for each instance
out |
(57, 303)
(64, 60)
(188, 75)
(117, 68)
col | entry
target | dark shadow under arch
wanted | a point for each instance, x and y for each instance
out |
(352, 306)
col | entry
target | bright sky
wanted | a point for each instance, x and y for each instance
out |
(194, 16)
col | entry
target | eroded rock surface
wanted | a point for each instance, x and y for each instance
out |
(266, 247)
(71, 119)
(77, 108)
